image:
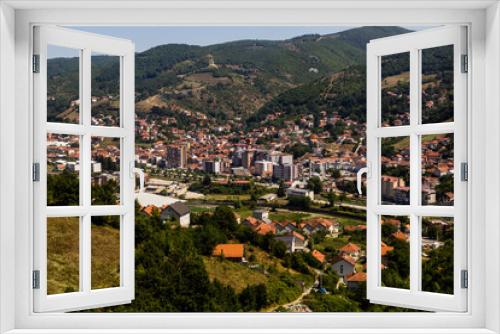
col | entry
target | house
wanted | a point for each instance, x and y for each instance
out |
(355, 280)
(294, 241)
(351, 250)
(384, 249)
(285, 227)
(265, 228)
(318, 256)
(401, 236)
(344, 265)
(298, 192)
(233, 252)
(318, 224)
(262, 215)
(177, 211)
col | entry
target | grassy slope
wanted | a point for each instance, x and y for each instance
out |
(63, 255)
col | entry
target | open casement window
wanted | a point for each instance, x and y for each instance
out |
(417, 171)
(83, 171)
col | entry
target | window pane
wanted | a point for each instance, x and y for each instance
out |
(63, 84)
(395, 251)
(437, 254)
(63, 169)
(105, 89)
(105, 171)
(63, 254)
(395, 87)
(437, 84)
(437, 170)
(105, 252)
(395, 170)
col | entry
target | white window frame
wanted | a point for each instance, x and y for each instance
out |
(85, 44)
(17, 18)
(412, 44)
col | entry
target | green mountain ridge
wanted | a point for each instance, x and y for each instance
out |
(244, 76)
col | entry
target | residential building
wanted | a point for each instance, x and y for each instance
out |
(300, 193)
(212, 166)
(177, 211)
(235, 252)
(344, 265)
(354, 281)
(177, 156)
(285, 172)
(294, 241)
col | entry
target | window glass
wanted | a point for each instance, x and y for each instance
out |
(395, 171)
(105, 171)
(63, 85)
(395, 89)
(395, 251)
(105, 89)
(63, 170)
(63, 249)
(437, 170)
(437, 254)
(437, 84)
(105, 234)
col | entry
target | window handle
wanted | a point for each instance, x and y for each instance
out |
(361, 171)
(140, 172)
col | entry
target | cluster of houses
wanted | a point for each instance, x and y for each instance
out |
(435, 164)
(291, 233)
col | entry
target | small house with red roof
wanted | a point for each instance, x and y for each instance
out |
(351, 250)
(294, 241)
(355, 280)
(318, 256)
(233, 252)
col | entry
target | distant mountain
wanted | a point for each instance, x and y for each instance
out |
(222, 81)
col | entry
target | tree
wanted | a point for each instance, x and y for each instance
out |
(299, 202)
(282, 189)
(331, 197)
(335, 173)
(315, 184)
(224, 218)
(207, 181)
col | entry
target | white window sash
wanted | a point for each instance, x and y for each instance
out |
(414, 297)
(85, 298)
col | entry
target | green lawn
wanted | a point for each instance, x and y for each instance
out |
(224, 197)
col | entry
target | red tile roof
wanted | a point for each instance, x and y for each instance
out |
(229, 250)
(357, 277)
(350, 248)
(318, 255)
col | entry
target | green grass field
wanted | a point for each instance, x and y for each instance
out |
(236, 275)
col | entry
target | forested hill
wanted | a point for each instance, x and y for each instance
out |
(222, 81)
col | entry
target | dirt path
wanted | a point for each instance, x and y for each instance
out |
(299, 299)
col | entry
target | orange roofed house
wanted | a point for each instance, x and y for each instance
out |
(233, 252)
(355, 280)
(351, 250)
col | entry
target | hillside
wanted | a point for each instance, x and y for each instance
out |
(220, 81)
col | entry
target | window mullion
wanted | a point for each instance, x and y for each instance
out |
(414, 169)
(85, 156)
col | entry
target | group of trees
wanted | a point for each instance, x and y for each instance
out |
(170, 273)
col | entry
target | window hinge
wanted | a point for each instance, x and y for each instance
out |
(465, 63)
(464, 171)
(464, 279)
(36, 172)
(36, 63)
(36, 279)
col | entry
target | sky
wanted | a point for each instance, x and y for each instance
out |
(148, 37)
